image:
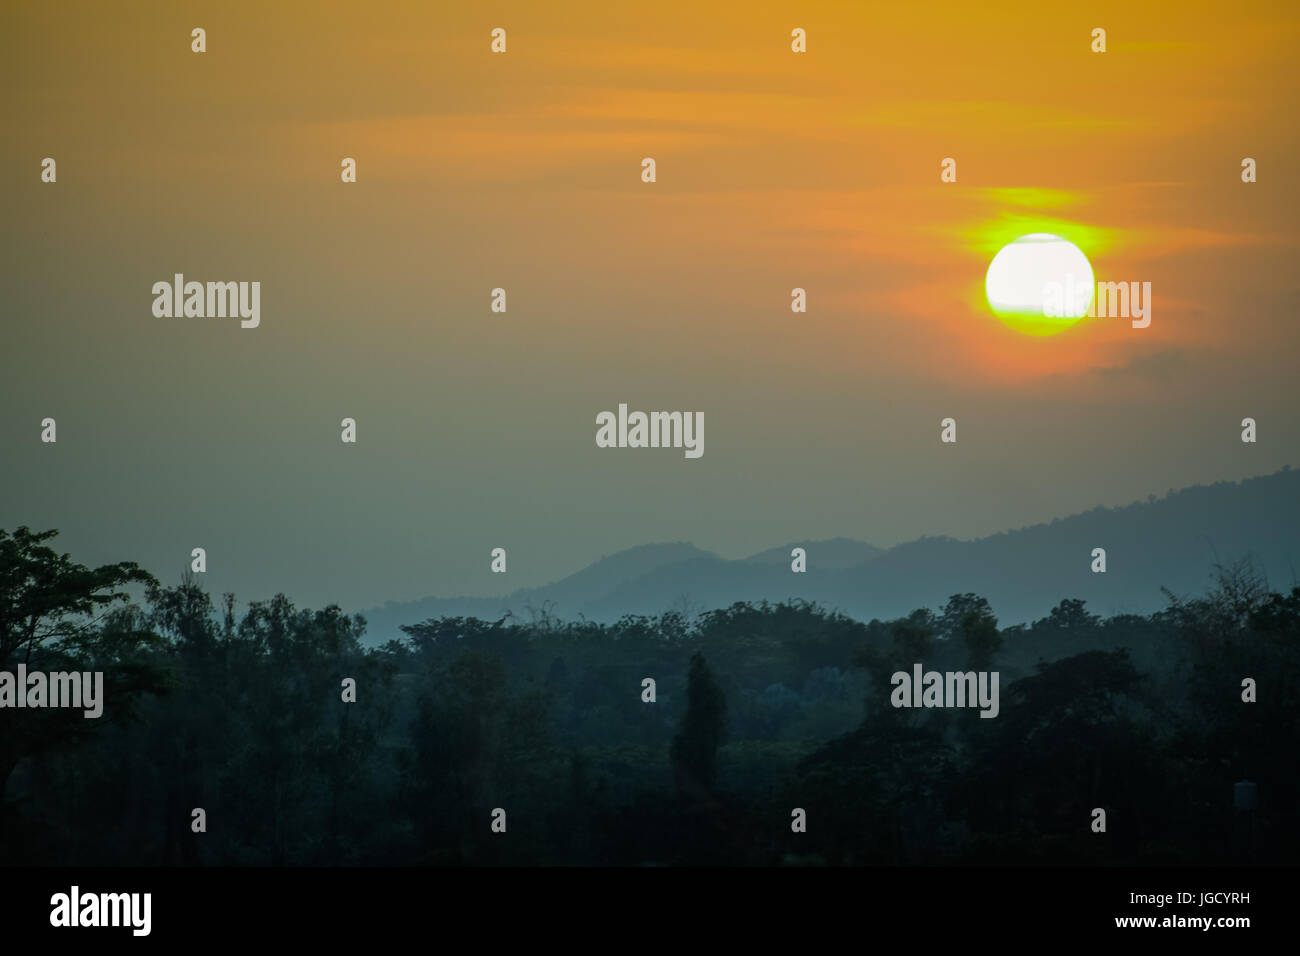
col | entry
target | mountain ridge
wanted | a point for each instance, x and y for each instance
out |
(1168, 542)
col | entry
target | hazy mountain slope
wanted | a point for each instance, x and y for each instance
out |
(569, 595)
(832, 553)
(1169, 542)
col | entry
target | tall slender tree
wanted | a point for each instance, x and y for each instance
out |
(695, 747)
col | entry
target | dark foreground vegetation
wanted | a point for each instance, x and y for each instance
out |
(759, 709)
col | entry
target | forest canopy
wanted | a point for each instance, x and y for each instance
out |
(670, 739)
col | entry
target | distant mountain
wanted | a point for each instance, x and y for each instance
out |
(568, 595)
(832, 553)
(1170, 542)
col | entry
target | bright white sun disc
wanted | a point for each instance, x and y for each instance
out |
(1041, 281)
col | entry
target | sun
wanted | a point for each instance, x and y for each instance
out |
(1039, 284)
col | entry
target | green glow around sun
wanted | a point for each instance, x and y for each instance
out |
(1013, 291)
(988, 238)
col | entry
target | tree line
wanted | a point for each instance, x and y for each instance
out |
(757, 710)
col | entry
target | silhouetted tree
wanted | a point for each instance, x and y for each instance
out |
(979, 631)
(914, 636)
(953, 620)
(1069, 615)
(48, 622)
(695, 748)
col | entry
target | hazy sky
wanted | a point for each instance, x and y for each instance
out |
(523, 171)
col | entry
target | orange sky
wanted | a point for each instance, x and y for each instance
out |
(775, 170)
(822, 167)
